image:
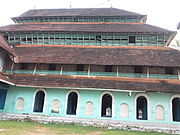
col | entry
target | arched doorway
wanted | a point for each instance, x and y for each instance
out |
(176, 109)
(2, 98)
(72, 103)
(39, 101)
(106, 107)
(141, 108)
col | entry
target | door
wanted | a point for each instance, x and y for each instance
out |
(2, 98)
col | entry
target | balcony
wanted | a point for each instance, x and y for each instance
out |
(84, 73)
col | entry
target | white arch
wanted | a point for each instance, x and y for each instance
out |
(66, 103)
(148, 104)
(107, 92)
(171, 99)
(36, 91)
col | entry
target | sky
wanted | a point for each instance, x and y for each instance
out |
(161, 13)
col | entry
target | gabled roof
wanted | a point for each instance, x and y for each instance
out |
(146, 56)
(79, 12)
(5, 45)
(85, 28)
(136, 84)
(5, 79)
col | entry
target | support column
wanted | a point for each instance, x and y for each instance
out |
(89, 69)
(12, 67)
(26, 38)
(117, 71)
(61, 69)
(178, 73)
(147, 72)
(35, 69)
(32, 41)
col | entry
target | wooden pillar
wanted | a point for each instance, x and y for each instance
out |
(89, 69)
(117, 71)
(20, 40)
(147, 72)
(32, 41)
(26, 38)
(43, 38)
(61, 69)
(35, 69)
(12, 67)
(178, 73)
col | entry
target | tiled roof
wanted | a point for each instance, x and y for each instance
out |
(5, 79)
(79, 12)
(85, 28)
(136, 84)
(5, 45)
(147, 56)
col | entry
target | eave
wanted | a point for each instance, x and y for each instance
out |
(97, 83)
(125, 55)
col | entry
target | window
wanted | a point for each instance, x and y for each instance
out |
(24, 66)
(169, 70)
(132, 39)
(141, 108)
(108, 68)
(80, 67)
(176, 109)
(138, 69)
(98, 38)
(72, 103)
(52, 67)
(106, 108)
(2, 98)
(75, 19)
(39, 101)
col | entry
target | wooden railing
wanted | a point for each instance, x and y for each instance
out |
(85, 73)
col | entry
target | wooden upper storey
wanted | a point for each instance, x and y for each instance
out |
(80, 15)
(85, 26)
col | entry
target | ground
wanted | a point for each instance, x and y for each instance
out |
(29, 128)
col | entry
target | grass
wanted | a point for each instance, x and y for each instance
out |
(29, 128)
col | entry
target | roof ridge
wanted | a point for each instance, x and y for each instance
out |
(78, 11)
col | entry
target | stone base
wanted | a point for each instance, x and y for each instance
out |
(109, 124)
